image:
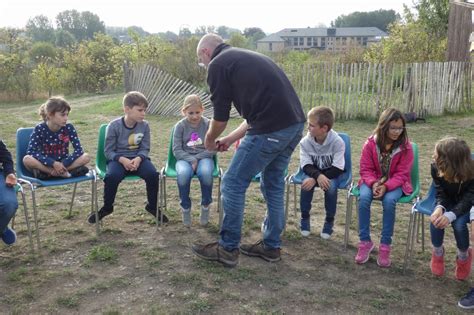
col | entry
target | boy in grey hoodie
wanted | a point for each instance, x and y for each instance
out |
(322, 161)
(127, 145)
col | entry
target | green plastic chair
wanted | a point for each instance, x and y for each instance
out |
(101, 167)
(412, 198)
(170, 171)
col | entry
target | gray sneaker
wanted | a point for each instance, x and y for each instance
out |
(258, 250)
(215, 252)
(204, 220)
(186, 217)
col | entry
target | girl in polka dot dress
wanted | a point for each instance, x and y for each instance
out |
(48, 150)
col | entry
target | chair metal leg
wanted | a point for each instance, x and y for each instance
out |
(72, 200)
(410, 240)
(27, 220)
(164, 193)
(94, 205)
(287, 189)
(348, 219)
(294, 199)
(422, 219)
(35, 216)
(219, 192)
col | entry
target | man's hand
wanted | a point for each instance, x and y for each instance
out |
(323, 182)
(210, 143)
(10, 180)
(308, 184)
(223, 144)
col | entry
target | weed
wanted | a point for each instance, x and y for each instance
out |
(102, 253)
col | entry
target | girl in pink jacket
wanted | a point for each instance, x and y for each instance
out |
(385, 166)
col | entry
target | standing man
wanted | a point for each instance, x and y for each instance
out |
(273, 125)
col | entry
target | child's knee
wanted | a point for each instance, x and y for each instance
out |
(85, 158)
(29, 161)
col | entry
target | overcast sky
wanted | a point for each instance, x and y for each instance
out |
(171, 15)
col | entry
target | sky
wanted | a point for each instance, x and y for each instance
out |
(172, 15)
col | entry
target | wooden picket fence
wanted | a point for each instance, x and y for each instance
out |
(351, 90)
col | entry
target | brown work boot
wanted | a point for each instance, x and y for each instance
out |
(258, 250)
(215, 252)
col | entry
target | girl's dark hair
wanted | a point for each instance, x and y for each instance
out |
(383, 126)
(453, 160)
(53, 105)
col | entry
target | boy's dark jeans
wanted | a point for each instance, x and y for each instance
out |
(116, 173)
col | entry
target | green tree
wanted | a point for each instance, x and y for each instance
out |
(42, 50)
(40, 29)
(92, 24)
(82, 25)
(433, 15)
(238, 40)
(64, 39)
(380, 19)
(47, 75)
(253, 34)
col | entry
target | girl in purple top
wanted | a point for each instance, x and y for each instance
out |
(48, 150)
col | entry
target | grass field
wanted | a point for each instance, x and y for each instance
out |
(135, 268)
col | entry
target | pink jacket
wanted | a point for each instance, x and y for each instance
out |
(399, 171)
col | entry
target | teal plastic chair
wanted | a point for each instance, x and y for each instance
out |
(415, 182)
(169, 171)
(345, 179)
(26, 178)
(101, 169)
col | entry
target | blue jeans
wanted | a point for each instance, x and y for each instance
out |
(185, 173)
(460, 229)
(8, 203)
(116, 173)
(389, 202)
(330, 204)
(267, 153)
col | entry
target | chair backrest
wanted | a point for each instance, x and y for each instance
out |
(100, 159)
(346, 177)
(170, 167)
(415, 177)
(22, 139)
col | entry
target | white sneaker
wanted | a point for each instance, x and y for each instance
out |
(305, 233)
(204, 219)
(325, 236)
(186, 213)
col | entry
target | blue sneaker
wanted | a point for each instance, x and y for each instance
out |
(305, 227)
(467, 301)
(9, 236)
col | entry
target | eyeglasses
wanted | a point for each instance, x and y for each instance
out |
(396, 129)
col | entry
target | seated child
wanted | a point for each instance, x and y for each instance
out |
(385, 166)
(453, 177)
(48, 150)
(127, 145)
(192, 158)
(322, 161)
(8, 202)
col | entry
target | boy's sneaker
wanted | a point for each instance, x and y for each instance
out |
(437, 264)
(215, 252)
(102, 213)
(467, 301)
(79, 171)
(258, 250)
(186, 214)
(363, 251)
(153, 213)
(463, 267)
(9, 236)
(204, 219)
(384, 256)
(305, 227)
(325, 236)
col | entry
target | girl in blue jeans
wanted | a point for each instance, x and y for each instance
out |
(8, 202)
(453, 178)
(385, 165)
(192, 158)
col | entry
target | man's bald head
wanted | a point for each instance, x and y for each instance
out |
(206, 47)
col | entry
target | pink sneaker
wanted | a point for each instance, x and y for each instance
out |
(384, 256)
(463, 267)
(363, 251)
